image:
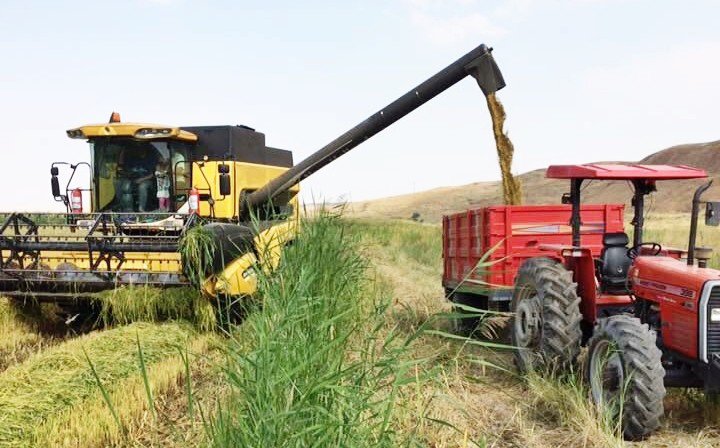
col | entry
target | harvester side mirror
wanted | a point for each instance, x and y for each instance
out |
(54, 183)
(224, 184)
(712, 214)
(224, 169)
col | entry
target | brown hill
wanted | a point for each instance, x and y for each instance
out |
(671, 196)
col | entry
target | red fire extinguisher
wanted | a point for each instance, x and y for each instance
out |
(76, 201)
(194, 200)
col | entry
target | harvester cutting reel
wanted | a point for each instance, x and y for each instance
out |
(48, 256)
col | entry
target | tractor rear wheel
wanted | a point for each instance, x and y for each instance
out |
(545, 324)
(625, 374)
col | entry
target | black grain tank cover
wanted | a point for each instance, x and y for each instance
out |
(238, 143)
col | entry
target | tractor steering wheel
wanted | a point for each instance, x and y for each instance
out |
(634, 251)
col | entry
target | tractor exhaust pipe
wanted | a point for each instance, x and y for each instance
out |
(478, 63)
(694, 221)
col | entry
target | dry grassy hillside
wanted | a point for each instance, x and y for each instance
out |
(432, 204)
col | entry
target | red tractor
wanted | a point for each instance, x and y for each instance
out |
(649, 315)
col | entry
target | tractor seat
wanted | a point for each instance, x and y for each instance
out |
(614, 263)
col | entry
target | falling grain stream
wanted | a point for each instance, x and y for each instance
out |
(512, 192)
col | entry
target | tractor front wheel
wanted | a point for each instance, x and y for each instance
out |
(545, 326)
(625, 374)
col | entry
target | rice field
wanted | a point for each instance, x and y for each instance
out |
(351, 346)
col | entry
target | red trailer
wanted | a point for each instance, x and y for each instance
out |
(517, 234)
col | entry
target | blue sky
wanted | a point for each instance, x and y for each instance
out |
(587, 80)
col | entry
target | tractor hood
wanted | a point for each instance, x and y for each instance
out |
(667, 278)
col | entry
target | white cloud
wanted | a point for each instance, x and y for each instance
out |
(678, 75)
(447, 30)
(451, 21)
(512, 9)
(655, 100)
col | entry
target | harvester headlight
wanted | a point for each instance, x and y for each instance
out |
(249, 272)
(75, 133)
(153, 132)
(715, 315)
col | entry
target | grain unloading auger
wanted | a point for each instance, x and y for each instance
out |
(150, 184)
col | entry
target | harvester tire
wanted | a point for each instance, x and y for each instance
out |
(625, 374)
(545, 324)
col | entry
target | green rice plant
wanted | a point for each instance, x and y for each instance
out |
(103, 390)
(146, 381)
(59, 377)
(197, 248)
(127, 304)
(313, 368)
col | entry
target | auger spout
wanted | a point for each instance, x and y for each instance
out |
(478, 63)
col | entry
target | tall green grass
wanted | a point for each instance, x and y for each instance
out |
(314, 368)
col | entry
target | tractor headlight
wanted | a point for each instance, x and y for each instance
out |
(715, 315)
(249, 272)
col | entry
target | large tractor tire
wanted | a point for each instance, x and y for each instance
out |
(625, 374)
(545, 324)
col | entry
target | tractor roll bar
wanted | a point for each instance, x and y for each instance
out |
(478, 63)
(694, 221)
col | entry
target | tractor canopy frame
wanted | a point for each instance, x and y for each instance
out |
(642, 177)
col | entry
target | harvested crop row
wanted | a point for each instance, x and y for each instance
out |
(127, 304)
(130, 403)
(60, 377)
(18, 339)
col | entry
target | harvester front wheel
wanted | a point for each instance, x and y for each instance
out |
(545, 324)
(625, 374)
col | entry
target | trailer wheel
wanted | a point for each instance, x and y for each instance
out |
(625, 374)
(545, 324)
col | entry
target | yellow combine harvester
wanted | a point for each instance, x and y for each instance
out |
(150, 184)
